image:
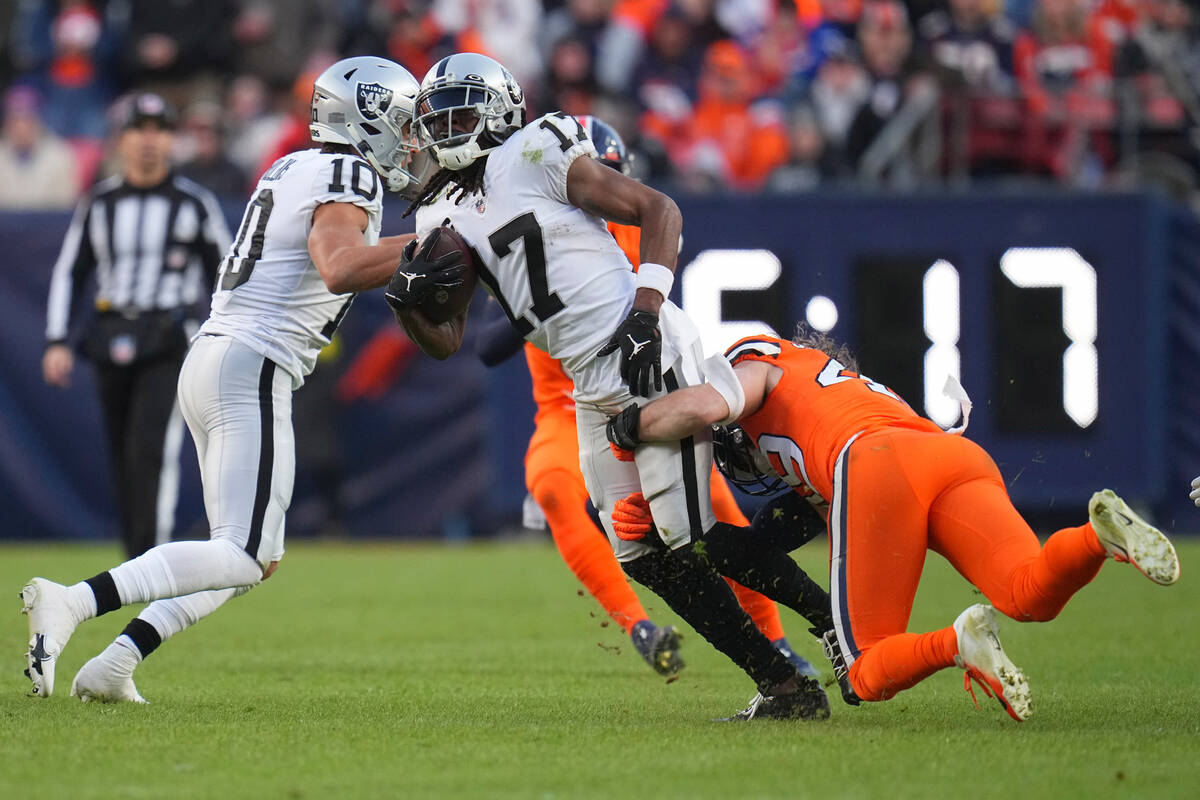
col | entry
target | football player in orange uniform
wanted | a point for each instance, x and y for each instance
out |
(896, 486)
(554, 480)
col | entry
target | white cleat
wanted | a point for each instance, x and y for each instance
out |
(980, 654)
(1128, 537)
(99, 680)
(51, 624)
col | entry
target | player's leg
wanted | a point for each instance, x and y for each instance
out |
(152, 453)
(877, 550)
(974, 526)
(108, 677)
(761, 609)
(230, 392)
(115, 386)
(563, 499)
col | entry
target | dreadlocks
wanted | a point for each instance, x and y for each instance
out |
(467, 182)
(807, 336)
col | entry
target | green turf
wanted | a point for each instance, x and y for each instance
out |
(369, 671)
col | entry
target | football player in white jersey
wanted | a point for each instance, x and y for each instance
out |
(532, 200)
(308, 240)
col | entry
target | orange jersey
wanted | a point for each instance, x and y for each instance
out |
(815, 409)
(629, 239)
(552, 387)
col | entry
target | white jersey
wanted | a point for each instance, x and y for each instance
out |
(269, 295)
(553, 267)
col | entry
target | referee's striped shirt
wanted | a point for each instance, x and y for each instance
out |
(152, 249)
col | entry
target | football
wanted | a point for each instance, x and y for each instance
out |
(445, 304)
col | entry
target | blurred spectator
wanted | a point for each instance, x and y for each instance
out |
(201, 150)
(1160, 62)
(506, 30)
(585, 20)
(665, 80)
(175, 44)
(253, 124)
(810, 165)
(569, 77)
(293, 134)
(971, 45)
(412, 38)
(36, 170)
(1064, 75)
(838, 91)
(727, 140)
(275, 39)
(901, 96)
(837, 30)
(66, 48)
(781, 49)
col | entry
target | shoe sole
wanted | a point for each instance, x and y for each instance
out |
(1145, 546)
(39, 660)
(1005, 679)
(665, 660)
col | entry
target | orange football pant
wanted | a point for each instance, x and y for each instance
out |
(898, 493)
(553, 478)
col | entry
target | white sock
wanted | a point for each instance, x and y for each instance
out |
(82, 601)
(183, 568)
(175, 614)
(121, 656)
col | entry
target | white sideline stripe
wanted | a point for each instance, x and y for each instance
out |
(837, 530)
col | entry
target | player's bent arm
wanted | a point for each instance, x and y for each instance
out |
(345, 262)
(439, 340)
(689, 410)
(607, 193)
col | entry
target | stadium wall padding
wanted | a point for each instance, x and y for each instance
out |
(440, 452)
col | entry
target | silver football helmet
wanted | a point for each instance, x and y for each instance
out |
(468, 105)
(367, 103)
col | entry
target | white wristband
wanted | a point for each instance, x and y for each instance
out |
(656, 277)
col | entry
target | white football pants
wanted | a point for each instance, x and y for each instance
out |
(673, 476)
(238, 406)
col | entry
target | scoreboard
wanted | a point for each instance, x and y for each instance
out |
(1050, 310)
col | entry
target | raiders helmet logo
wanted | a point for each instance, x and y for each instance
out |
(514, 90)
(373, 99)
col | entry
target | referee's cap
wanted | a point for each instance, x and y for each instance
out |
(146, 107)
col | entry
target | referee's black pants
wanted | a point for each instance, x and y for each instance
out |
(138, 401)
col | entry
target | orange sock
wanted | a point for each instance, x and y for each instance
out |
(902, 661)
(584, 547)
(1068, 561)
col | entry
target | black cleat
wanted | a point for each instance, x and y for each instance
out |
(659, 646)
(833, 651)
(806, 701)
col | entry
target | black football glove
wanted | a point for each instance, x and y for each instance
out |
(420, 275)
(622, 430)
(640, 343)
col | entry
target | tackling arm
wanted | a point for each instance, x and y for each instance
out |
(345, 262)
(693, 409)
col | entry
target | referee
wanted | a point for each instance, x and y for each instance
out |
(153, 241)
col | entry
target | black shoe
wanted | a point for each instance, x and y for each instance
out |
(833, 651)
(807, 702)
(659, 646)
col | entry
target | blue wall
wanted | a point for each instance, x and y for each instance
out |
(441, 451)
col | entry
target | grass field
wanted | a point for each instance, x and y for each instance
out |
(371, 671)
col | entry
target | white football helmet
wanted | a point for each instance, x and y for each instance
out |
(367, 103)
(468, 105)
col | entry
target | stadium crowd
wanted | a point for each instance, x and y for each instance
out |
(711, 95)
